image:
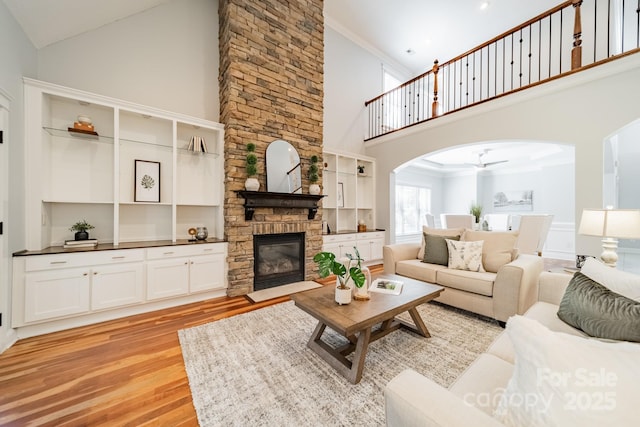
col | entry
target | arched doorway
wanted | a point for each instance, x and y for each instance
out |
(451, 180)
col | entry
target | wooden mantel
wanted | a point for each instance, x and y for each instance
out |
(266, 199)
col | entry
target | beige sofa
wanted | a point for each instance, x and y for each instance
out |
(508, 287)
(411, 399)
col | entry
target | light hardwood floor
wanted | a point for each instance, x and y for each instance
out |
(126, 372)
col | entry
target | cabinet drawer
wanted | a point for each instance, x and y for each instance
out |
(370, 235)
(337, 238)
(186, 250)
(48, 262)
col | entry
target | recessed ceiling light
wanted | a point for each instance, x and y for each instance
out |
(410, 51)
(484, 5)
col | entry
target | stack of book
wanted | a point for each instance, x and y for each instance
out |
(197, 144)
(89, 243)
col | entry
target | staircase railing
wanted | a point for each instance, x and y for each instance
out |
(572, 36)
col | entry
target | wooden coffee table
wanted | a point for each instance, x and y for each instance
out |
(356, 321)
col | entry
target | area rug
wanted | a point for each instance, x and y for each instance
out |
(279, 291)
(255, 368)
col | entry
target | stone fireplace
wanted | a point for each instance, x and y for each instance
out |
(271, 87)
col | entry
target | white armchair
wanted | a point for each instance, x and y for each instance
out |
(431, 221)
(498, 222)
(457, 220)
(532, 233)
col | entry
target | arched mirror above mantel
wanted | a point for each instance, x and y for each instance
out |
(284, 171)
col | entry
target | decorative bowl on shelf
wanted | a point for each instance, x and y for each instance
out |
(202, 233)
(85, 120)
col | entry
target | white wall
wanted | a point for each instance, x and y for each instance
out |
(166, 57)
(459, 192)
(553, 189)
(352, 76)
(628, 170)
(18, 59)
(582, 109)
(621, 185)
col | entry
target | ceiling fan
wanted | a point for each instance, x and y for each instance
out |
(479, 164)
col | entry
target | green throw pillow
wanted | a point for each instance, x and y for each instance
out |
(435, 249)
(598, 311)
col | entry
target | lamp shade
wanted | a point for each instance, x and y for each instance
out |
(617, 223)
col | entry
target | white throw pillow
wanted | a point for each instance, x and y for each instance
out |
(565, 380)
(620, 282)
(465, 255)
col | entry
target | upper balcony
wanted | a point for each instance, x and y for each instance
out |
(573, 36)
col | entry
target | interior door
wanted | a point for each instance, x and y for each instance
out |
(4, 208)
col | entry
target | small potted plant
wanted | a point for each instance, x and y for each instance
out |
(476, 211)
(80, 229)
(361, 170)
(344, 271)
(252, 183)
(313, 175)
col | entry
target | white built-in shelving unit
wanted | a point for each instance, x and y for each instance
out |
(350, 195)
(70, 176)
(144, 260)
(349, 186)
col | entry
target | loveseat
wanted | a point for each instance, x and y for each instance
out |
(505, 285)
(539, 372)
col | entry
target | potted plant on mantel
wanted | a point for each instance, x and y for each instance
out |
(313, 175)
(81, 228)
(252, 183)
(344, 272)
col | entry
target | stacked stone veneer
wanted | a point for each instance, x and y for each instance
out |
(271, 87)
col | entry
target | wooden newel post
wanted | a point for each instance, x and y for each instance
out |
(434, 105)
(576, 52)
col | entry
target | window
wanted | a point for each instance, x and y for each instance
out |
(412, 204)
(392, 101)
(390, 81)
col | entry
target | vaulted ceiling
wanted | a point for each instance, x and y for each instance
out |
(429, 29)
(408, 34)
(413, 33)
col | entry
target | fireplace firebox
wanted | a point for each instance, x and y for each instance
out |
(278, 259)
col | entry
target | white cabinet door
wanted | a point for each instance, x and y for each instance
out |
(167, 278)
(376, 249)
(51, 294)
(339, 244)
(370, 246)
(116, 285)
(206, 273)
(334, 248)
(364, 248)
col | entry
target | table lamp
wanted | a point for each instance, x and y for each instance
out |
(610, 224)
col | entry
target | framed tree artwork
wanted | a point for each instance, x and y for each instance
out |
(147, 181)
(340, 197)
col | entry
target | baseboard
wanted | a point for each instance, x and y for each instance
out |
(8, 338)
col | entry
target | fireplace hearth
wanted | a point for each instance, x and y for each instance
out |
(278, 259)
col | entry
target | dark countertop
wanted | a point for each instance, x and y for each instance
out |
(352, 232)
(110, 247)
